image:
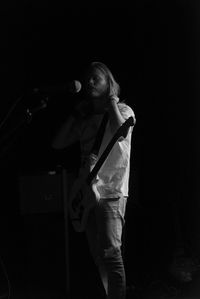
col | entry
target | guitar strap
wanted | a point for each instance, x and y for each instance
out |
(100, 134)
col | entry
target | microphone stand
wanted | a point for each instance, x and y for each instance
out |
(10, 111)
(26, 119)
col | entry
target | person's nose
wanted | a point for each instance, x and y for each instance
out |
(91, 82)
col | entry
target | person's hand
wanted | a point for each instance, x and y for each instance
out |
(114, 98)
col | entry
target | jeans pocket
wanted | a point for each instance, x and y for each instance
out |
(116, 207)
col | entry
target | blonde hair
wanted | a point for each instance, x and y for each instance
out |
(114, 88)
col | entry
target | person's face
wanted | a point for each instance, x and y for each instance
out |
(96, 84)
(97, 90)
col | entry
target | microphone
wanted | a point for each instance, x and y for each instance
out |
(72, 87)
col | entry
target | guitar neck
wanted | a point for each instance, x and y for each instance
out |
(120, 132)
(101, 160)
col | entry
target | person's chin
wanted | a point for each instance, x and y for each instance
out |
(95, 96)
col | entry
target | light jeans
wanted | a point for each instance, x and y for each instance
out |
(104, 234)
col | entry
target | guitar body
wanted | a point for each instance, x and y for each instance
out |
(83, 198)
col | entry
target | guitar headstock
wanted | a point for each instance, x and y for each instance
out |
(122, 131)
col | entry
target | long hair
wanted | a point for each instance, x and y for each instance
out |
(114, 87)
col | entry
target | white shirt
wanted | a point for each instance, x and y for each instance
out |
(113, 176)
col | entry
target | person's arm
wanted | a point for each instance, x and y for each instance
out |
(115, 116)
(118, 116)
(67, 134)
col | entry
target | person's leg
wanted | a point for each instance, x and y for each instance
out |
(110, 220)
(93, 241)
(103, 275)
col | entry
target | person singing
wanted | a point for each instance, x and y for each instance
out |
(106, 219)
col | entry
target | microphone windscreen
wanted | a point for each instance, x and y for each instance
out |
(75, 86)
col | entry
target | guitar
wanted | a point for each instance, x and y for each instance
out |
(84, 194)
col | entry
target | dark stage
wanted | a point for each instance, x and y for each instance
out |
(153, 47)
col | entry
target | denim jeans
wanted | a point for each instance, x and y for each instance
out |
(104, 234)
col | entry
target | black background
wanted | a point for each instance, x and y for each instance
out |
(152, 48)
